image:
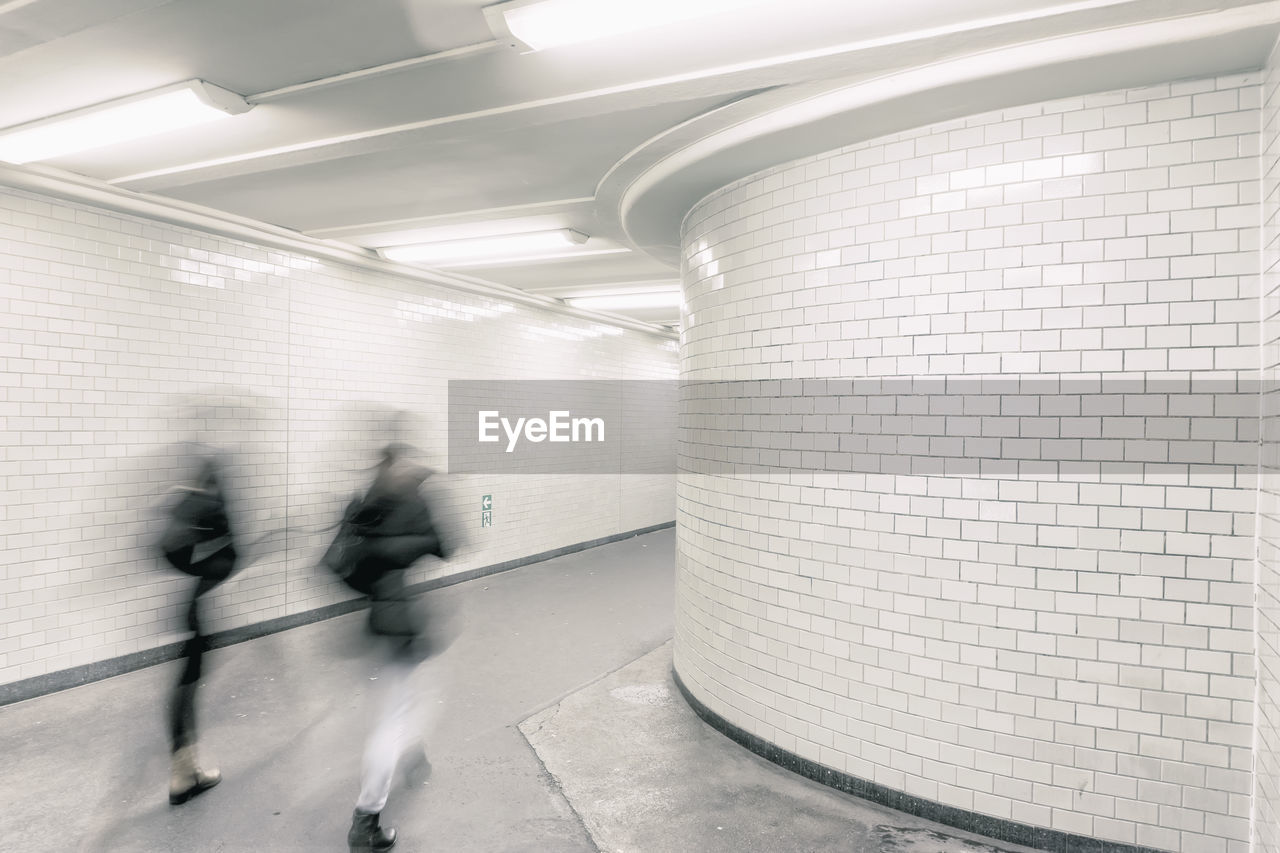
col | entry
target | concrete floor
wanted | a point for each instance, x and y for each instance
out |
(285, 717)
(646, 774)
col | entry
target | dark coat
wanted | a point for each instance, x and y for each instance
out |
(395, 522)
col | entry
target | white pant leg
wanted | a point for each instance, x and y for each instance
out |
(392, 733)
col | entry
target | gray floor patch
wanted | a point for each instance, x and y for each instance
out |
(898, 839)
(642, 694)
(647, 775)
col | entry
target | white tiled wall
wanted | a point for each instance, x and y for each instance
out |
(121, 339)
(1267, 759)
(1066, 650)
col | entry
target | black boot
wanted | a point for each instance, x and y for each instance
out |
(366, 836)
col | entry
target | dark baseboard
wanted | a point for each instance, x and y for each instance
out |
(998, 829)
(52, 682)
(472, 574)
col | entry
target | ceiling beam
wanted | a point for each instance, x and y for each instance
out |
(375, 71)
(486, 214)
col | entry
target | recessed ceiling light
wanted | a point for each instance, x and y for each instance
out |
(158, 111)
(496, 247)
(540, 24)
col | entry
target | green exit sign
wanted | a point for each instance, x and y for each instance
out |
(486, 511)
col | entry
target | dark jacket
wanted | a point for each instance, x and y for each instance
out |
(397, 528)
(197, 538)
(395, 520)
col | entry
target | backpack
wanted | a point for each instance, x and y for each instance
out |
(345, 555)
(382, 532)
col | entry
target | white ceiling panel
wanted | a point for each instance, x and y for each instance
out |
(383, 122)
(24, 24)
(433, 173)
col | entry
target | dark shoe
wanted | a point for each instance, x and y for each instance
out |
(365, 836)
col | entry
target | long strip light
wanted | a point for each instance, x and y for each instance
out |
(497, 247)
(541, 24)
(160, 110)
(626, 301)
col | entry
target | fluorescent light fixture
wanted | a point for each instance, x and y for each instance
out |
(495, 248)
(656, 285)
(158, 111)
(625, 301)
(540, 24)
(582, 254)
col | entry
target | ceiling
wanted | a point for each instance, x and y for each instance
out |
(385, 122)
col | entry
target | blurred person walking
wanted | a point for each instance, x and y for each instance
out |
(381, 536)
(199, 542)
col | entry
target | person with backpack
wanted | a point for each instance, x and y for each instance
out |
(382, 535)
(197, 541)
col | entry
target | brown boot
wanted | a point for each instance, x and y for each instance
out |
(187, 778)
(365, 836)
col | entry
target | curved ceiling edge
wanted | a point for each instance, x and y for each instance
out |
(652, 189)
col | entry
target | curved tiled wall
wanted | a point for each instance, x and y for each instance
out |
(1266, 825)
(1028, 598)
